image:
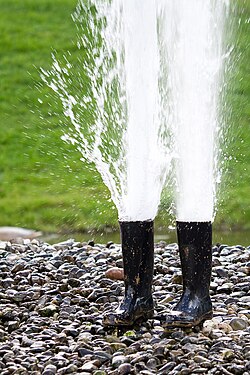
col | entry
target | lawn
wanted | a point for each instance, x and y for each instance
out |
(43, 183)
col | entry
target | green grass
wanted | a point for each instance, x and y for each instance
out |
(43, 184)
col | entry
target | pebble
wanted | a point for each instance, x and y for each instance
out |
(124, 369)
(119, 360)
(89, 366)
(49, 370)
(115, 273)
(49, 310)
(52, 298)
(238, 324)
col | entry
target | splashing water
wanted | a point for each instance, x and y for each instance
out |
(147, 88)
(196, 57)
(125, 139)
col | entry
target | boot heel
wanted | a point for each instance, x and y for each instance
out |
(207, 316)
(148, 315)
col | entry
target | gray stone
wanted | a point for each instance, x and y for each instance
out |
(189, 347)
(245, 300)
(119, 360)
(225, 288)
(221, 272)
(13, 325)
(74, 283)
(201, 359)
(236, 369)
(228, 354)
(89, 366)
(238, 324)
(82, 352)
(50, 370)
(19, 296)
(124, 369)
(152, 363)
(115, 346)
(102, 356)
(2, 334)
(167, 367)
(48, 310)
(7, 283)
(20, 265)
(199, 370)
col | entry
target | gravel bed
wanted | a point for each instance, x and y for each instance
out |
(52, 298)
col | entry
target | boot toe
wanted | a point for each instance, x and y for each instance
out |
(115, 319)
(183, 319)
(108, 320)
(178, 319)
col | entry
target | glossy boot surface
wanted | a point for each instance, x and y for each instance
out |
(137, 240)
(195, 247)
(131, 311)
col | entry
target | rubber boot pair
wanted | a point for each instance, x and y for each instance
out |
(195, 247)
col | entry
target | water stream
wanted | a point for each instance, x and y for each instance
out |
(196, 57)
(147, 99)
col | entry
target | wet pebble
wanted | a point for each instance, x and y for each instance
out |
(239, 324)
(115, 273)
(124, 369)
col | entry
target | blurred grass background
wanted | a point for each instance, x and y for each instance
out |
(43, 183)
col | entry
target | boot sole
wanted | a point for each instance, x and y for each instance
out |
(182, 324)
(140, 319)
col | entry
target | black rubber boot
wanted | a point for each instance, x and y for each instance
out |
(195, 247)
(137, 240)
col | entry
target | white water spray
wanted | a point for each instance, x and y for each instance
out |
(122, 66)
(142, 69)
(193, 32)
(152, 73)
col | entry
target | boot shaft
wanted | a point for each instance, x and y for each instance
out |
(137, 239)
(195, 247)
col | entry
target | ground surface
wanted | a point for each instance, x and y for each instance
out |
(52, 298)
(43, 185)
